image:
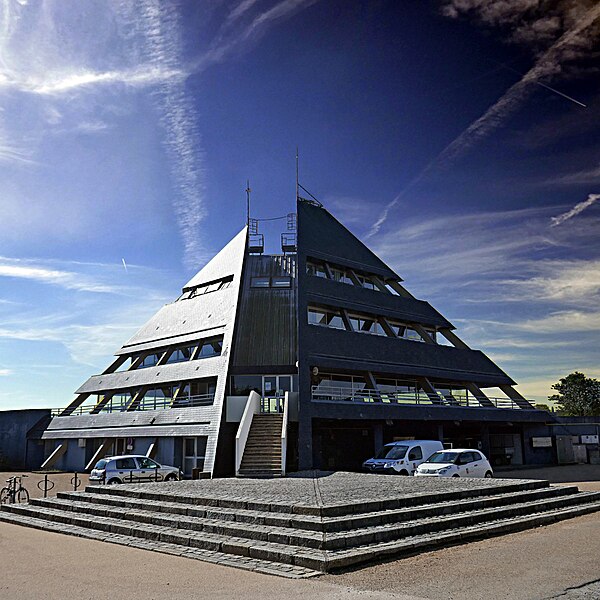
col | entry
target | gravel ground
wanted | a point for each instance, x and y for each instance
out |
(321, 488)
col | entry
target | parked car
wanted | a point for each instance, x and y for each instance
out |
(402, 458)
(131, 468)
(461, 462)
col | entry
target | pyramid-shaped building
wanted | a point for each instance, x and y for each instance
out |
(312, 358)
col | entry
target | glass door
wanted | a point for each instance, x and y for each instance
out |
(194, 450)
(274, 389)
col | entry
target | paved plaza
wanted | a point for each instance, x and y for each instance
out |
(554, 561)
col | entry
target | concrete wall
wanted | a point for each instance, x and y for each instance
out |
(20, 447)
(574, 426)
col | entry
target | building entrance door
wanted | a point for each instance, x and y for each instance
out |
(274, 389)
(194, 450)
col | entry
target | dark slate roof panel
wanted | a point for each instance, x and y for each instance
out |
(322, 236)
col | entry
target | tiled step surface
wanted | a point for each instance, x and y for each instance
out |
(289, 534)
(314, 523)
(298, 537)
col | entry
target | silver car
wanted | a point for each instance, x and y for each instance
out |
(131, 468)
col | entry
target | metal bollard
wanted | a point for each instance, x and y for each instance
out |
(75, 481)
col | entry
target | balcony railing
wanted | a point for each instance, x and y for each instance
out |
(145, 404)
(321, 393)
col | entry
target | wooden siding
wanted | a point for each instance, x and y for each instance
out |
(266, 332)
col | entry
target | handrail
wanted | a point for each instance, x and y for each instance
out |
(324, 393)
(145, 404)
(252, 407)
(284, 423)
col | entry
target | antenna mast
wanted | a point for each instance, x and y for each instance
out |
(297, 177)
(248, 190)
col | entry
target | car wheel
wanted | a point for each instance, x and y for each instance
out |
(171, 477)
(456, 475)
(404, 473)
(489, 475)
(113, 481)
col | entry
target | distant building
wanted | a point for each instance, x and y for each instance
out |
(362, 361)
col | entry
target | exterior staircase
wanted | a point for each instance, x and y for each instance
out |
(254, 526)
(262, 454)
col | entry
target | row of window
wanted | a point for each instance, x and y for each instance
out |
(163, 395)
(329, 317)
(280, 282)
(206, 288)
(203, 349)
(342, 275)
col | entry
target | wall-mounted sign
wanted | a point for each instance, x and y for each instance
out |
(541, 442)
(589, 439)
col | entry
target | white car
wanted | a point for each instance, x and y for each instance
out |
(460, 462)
(131, 468)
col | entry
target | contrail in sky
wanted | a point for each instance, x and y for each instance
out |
(591, 199)
(547, 65)
(547, 87)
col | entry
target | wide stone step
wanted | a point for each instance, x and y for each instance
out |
(266, 550)
(206, 524)
(222, 558)
(342, 559)
(283, 553)
(331, 541)
(211, 512)
(159, 493)
(263, 515)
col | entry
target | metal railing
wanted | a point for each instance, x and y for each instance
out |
(321, 393)
(144, 404)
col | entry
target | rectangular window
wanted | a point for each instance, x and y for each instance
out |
(325, 317)
(259, 282)
(149, 361)
(242, 385)
(180, 355)
(281, 282)
(316, 270)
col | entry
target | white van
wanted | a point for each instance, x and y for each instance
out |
(402, 458)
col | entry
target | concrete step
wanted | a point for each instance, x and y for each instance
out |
(284, 553)
(317, 539)
(158, 492)
(262, 515)
(211, 556)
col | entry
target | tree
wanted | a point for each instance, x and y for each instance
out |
(578, 395)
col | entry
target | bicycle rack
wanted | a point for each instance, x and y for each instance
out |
(45, 485)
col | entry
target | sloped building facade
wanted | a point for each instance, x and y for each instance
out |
(325, 330)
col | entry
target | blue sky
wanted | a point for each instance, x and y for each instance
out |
(458, 138)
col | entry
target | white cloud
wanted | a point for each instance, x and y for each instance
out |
(589, 176)
(578, 208)
(567, 321)
(25, 269)
(52, 84)
(6, 372)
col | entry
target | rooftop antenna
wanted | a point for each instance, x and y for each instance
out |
(297, 177)
(248, 190)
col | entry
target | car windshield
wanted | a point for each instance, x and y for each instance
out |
(443, 457)
(393, 452)
(101, 464)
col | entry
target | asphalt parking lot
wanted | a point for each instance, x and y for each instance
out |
(555, 561)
